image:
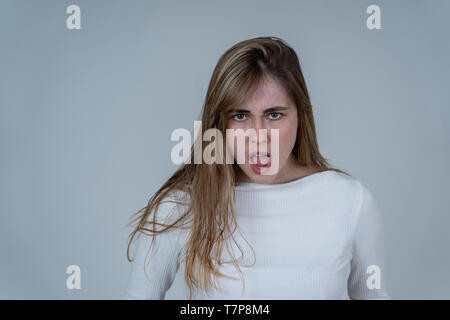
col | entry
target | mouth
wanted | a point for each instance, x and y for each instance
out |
(260, 159)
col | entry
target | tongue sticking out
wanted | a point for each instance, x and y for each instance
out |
(261, 161)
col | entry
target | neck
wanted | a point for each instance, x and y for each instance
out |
(292, 170)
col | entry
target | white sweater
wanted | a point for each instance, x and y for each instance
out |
(314, 238)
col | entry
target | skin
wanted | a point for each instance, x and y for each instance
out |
(269, 94)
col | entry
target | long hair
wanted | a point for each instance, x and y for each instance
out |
(209, 188)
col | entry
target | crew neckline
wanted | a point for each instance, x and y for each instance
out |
(252, 186)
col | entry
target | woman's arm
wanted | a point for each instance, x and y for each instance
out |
(160, 262)
(367, 277)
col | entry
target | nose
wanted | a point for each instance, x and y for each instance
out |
(261, 132)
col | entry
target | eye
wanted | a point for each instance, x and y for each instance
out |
(276, 113)
(238, 114)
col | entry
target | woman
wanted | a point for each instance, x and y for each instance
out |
(314, 232)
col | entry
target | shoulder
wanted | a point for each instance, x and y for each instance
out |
(353, 185)
(351, 189)
(345, 184)
(172, 207)
(364, 205)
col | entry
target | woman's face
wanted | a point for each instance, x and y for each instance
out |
(268, 108)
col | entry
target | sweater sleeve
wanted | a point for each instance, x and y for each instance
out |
(154, 268)
(367, 278)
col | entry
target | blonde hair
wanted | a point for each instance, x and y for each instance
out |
(237, 74)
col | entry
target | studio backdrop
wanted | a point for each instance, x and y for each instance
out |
(91, 91)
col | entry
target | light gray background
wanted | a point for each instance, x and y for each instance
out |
(86, 117)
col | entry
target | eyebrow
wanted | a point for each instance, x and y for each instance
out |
(271, 109)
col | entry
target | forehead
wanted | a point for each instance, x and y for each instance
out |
(268, 94)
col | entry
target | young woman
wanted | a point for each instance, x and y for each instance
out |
(307, 231)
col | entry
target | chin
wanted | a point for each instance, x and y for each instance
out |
(259, 177)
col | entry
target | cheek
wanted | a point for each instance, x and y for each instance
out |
(287, 136)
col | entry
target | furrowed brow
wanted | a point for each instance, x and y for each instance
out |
(271, 109)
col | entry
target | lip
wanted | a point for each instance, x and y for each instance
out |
(255, 169)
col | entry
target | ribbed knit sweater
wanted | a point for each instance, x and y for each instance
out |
(318, 237)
